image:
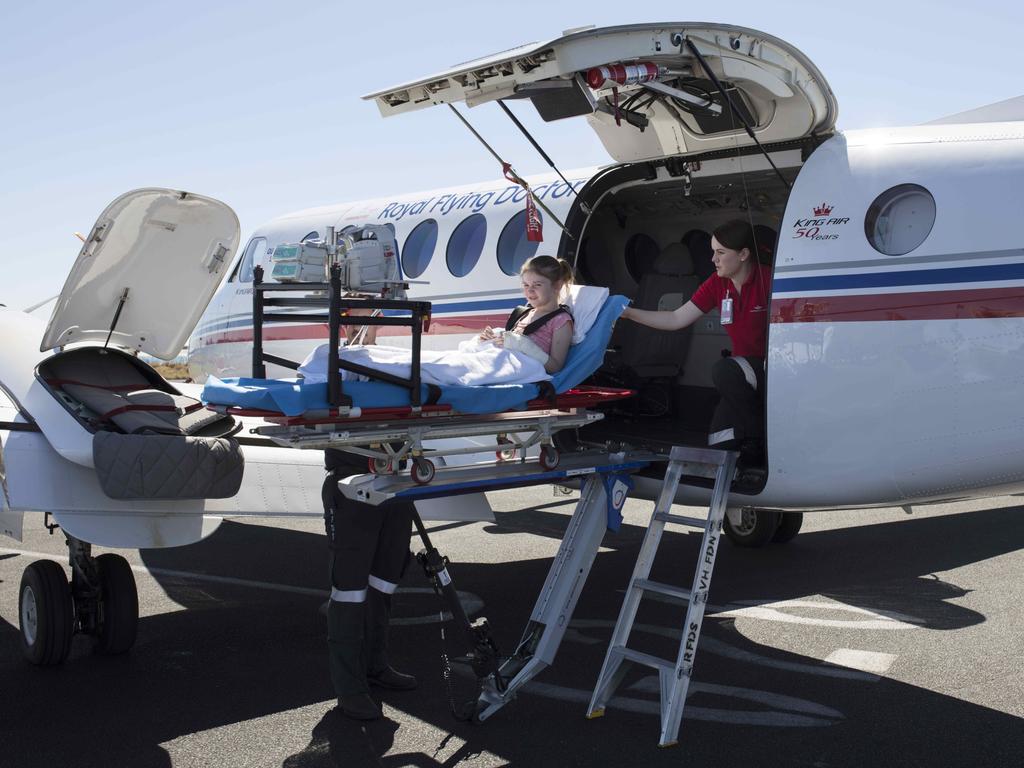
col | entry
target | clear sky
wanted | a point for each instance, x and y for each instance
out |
(257, 103)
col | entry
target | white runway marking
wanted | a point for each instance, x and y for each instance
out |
(775, 612)
(866, 661)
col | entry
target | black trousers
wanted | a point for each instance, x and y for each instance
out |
(739, 416)
(369, 545)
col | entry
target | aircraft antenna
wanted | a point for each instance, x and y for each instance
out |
(510, 172)
(732, 107)
(540, 150)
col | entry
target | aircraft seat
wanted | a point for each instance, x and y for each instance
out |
(765, 238)
(699, 243)
(668, 286)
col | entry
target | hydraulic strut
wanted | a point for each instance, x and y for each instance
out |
(482, 654)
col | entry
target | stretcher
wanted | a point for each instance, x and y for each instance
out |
(389, 436)
(391, 422)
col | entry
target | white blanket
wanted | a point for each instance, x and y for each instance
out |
(474, 363)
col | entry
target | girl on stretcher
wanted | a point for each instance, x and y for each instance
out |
(543, 328)
(533, 346)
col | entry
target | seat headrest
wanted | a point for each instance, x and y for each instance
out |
(674, 259)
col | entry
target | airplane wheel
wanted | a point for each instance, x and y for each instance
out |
(422, 471)
(380, 466)
(789, 527)
(549, 457)
(119, 605)
(750, 527)
(46, 613)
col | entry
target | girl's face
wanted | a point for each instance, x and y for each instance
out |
(728, 262)
(538, 290)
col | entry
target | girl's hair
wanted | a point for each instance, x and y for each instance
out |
(737, 235)
(555, 270)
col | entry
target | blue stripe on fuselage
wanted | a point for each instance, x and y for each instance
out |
(910, 277)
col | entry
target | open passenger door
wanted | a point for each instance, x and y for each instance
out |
(643, 90)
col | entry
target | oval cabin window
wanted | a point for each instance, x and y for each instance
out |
(513, 247)
(900, 219)
(466, 244)
(419, 248)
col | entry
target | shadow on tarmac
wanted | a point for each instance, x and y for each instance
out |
(238, 653)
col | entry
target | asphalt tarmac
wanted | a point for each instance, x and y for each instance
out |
(875, 638)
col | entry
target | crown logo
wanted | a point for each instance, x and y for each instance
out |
(822, 210)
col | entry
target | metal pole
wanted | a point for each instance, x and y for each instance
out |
(259, 370)
(334, 329)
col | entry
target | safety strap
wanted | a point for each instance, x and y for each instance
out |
(108, 387)
(537, 324)
(150, 408)
(433, 394)
(546, 391)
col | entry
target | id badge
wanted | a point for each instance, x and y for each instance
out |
(726, 311)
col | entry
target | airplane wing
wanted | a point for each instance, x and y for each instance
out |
(1008, 110)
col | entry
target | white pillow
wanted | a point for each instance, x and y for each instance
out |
(584, 302)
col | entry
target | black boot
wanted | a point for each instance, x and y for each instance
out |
(345, 640)
(378, 619)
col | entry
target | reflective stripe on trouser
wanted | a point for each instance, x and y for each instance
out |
(739, 414)
(348, 595)
(364, 540)
(385, 587)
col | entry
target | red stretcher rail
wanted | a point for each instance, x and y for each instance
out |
(577, 397)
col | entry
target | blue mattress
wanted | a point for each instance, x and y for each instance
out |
(293, 397)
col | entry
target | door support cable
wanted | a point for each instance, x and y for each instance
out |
(540, 150)
(510, 173)
(687, 42)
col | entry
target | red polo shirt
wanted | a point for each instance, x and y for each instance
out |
(749, 327)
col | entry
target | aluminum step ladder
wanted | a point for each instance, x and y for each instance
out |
(674, 677)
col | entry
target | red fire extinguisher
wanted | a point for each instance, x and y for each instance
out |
(621, 74)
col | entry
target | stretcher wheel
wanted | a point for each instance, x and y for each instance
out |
(549, 457)
(379, 466)
(422, 471)
(507, 449)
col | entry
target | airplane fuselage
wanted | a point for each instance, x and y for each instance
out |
(890, 377)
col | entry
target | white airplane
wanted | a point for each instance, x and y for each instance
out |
(895, 318)
(898, 271)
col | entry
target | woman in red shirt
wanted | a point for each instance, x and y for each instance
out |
(740, 289)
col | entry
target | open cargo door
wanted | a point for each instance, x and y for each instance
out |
(643, 90)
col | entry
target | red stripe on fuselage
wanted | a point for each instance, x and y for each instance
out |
(445, 326)
(927, 305)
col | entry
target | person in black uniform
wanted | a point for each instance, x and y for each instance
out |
(369, 552)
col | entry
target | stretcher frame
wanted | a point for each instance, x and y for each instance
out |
(388, 436)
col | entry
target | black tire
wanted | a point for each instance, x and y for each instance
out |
(549, 458)
(119, 605)
(422, 471)
(46, 614)
(789, 527)
(755, 529)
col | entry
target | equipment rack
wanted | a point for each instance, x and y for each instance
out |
(334, 303)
